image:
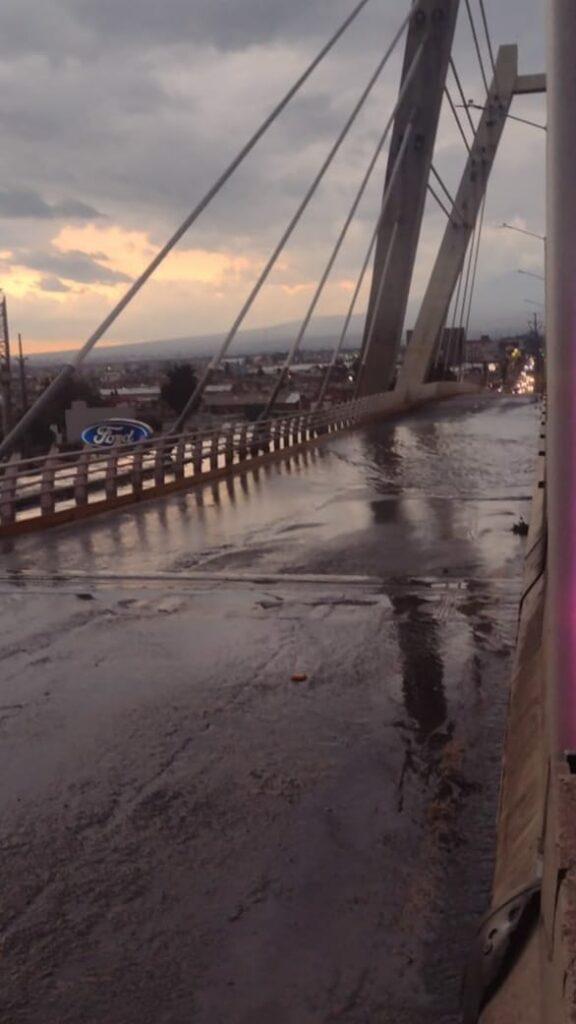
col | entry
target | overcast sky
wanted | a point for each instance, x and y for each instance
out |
(116, 116)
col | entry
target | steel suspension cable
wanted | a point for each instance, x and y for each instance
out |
(462, 95)
(349, 315)
(476, 258)
(477, 45)
(457, 118)
(435, 196)
(379, 294)
(444, 335)
(470, 257)
(265, 273)
(354, 299)
(451, 340)
(383, 210)
(342, 236)
(445, 343)
(443, 187)
(488, 38)
(19, 430)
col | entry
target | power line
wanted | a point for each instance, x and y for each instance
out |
(488, 39)
(457, 118)
(265, 273)
(462, 96)
(14, 436)
(477, 45)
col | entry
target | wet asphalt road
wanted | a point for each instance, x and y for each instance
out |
(189, 835)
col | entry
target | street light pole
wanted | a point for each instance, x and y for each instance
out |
(561, 310)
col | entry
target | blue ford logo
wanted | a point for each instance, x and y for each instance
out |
(116, 432)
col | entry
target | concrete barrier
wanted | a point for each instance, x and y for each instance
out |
(67, 487)
(525, 972)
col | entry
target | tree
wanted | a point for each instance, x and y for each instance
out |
(75, 389)
(179, 386)
(254, 412)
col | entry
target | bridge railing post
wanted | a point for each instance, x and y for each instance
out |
(137, 471)
(243, 443)
(198, 453)
(47, 483)
(214, 451)
(229, 446)
(161, 453)
(266, 436)
(276, 435)
(81, 480)
(111, 481)
(286, 432)
(180, 459)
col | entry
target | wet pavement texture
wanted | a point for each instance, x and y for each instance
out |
(232, 796)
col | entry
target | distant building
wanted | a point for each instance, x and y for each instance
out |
(142, 396)
(482, 350)
(80, 415)
(219, 402)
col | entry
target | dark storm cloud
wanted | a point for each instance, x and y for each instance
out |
(136, 105)
(226, 24)
(73, 266)
(26, 203)
(128, 24)
(53, 284)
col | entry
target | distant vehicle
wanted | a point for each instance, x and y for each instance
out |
(114, 432)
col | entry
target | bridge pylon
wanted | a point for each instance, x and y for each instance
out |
(433, 313)
(433, 24)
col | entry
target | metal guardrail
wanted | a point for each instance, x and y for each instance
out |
(63, 484)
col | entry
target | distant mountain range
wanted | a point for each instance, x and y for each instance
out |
(323, 334)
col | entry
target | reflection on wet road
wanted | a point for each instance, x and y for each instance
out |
(191, 834)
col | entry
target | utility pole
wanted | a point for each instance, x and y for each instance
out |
(23, 383)
(5, 369)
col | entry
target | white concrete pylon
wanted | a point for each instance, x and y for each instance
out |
(449, 262)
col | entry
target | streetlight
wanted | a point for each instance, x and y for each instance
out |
(523, 231)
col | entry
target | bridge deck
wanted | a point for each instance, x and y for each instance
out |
(188, 833)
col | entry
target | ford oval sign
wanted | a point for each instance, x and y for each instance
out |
(116, 432)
